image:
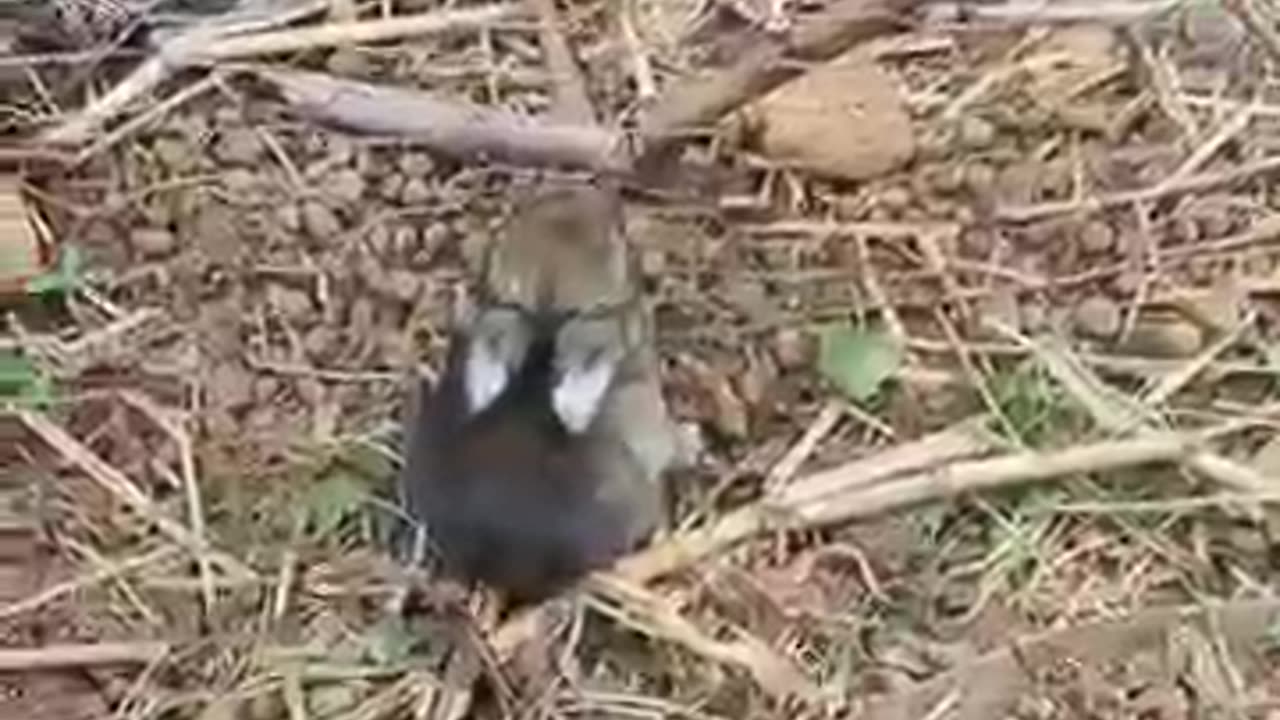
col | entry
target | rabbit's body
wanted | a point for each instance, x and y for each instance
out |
(538, 457)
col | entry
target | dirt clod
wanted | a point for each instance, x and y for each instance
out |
(1098, 317)
(152, 242)
(844, 119)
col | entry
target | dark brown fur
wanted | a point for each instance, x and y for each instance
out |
(509, 498)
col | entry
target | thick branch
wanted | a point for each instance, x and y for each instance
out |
(448, 125)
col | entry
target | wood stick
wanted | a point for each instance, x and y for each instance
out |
(1001, 472)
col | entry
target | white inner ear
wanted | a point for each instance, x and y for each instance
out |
(486, 377)
(576, 398)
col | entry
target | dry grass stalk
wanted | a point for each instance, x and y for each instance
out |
(822, 425)
(1002, 472)
(108, 572)
(1262, 27)
(962, 440)
(207, 44)
(1118, 414)
(238, 47)
(124, 490)
(649, 613)
(80, 655)
(190, 485)
(1198, 183)
(1023, 13)
(989, 685)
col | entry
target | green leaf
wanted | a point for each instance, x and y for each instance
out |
(16, 372)
(858, 361)
(331, 501)
(22, 381)
(65, 276)
(366, 460)
(389, 641)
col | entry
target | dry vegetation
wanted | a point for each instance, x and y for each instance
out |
(974, 330)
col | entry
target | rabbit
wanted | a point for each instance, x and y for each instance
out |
(539, 455)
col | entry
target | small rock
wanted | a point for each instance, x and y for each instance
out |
(318, 341)
(395, 348)
(1019, 183)
(239, 146)
(977, 243)
(378, 237)
(1170, 338)
(1043, 235)
(310, 390)
(1129, 282)
(241, 182)
(176, 155)
(350, 62)
(416, 164)
(415, 191)
(289, 217)
(1214, 222)
(794, 348)
(933, 145)
(229, 386)
(403, 285)
(227, 116)
(265, 388)
(435, 236)
(1096, 237)
(980, 179)
(295, 305)
(653, 261)
(193, 128)
(939, 179)
(341, 150)
(1002, 307)
(320, 222)
(345, 185)
(369, 270)
(404, 240)
(315, 170)
(365, 163)
(752, 298)
(215, 230)
(1098, 317)
(1035, 316)
(895, 198)
(392, 187)
(153, 242)
(474, 247)
(362, 314)
(976, 133)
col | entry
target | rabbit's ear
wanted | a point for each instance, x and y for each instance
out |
(588, 351)
(497, 343)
